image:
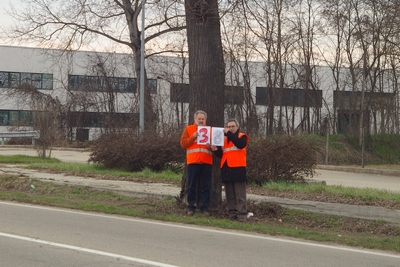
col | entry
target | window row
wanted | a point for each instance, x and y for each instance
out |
(43, 81)
(105, 84)
(75, 119)
(264, 96)
(179, 92)
(16, 117)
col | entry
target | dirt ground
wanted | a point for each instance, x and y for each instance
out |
(324, 198)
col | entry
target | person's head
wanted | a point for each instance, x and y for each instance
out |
(233, 125)
(200, 117)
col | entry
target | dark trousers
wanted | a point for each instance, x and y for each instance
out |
(235, 193)
(204, 173)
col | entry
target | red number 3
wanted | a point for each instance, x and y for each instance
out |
(203, 135)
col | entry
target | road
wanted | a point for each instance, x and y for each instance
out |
(359, 180)
(41, 236)
(66, 155)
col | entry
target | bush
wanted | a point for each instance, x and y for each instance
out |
(134, 153)
(285, 158)
(268, 159)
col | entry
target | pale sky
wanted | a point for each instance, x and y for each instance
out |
(5, 19)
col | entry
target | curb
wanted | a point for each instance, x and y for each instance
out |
(358, 170)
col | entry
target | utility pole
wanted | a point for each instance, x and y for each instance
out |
(141, 94)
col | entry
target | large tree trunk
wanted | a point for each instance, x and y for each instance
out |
(206, 70)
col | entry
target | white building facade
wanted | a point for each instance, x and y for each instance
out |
(63, 74)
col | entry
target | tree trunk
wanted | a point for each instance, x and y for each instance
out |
(206, 70)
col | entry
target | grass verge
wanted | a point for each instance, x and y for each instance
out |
(287, 222)
(269, 218)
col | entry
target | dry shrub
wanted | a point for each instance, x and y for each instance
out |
(20, 141)
(134, 152)
(280, 158)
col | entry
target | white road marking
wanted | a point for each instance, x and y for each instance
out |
(87, 250)
(218, 231)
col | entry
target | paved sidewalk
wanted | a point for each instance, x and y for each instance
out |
(162, 190)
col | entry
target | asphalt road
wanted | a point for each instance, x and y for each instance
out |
(41, 236)
(359, 180)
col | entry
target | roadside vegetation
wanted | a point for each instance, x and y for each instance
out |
(269, 218)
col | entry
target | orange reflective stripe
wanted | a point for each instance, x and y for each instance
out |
(198, 150)
(230, 149)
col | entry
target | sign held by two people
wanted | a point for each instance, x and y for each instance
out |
(210, 135)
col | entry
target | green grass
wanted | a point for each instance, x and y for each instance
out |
(22, 159)
(387, 146)
(369, 194)
(97, 169)
(294, 223)
(322, 228)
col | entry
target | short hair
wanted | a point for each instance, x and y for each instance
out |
(234, 120)
(199, 112)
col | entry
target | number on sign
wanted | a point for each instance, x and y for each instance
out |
(203, 135)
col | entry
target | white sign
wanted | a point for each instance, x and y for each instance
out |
(204, 136)
(217, 135)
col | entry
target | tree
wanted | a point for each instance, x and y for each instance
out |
(46, 110)
(206, 69)
(76, 24)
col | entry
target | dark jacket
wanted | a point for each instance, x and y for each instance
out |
(230, 174)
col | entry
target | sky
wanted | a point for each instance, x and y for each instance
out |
(5, 19)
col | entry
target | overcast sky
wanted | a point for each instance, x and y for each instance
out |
(5, 19)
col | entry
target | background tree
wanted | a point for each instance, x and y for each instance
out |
(46, 111)
(78, 24)
(238, 52)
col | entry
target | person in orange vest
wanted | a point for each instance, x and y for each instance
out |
(233, 169)
(199, 165)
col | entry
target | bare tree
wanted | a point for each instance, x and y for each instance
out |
(46, 110)
(366, 31)
(239, 50)
(307, 23)
(76, 24)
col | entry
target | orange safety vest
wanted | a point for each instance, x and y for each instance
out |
(197, 153)
(234, 156)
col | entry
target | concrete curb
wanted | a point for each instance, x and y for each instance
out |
(358, 170)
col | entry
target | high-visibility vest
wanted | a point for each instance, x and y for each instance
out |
(197, 153)
(234, 156)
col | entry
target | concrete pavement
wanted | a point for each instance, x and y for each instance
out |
(388, 182)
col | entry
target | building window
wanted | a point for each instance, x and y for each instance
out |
(41, 81)
(104, 84)
(16, 117)
(100, 119)
(179, 92)
(288, 97)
